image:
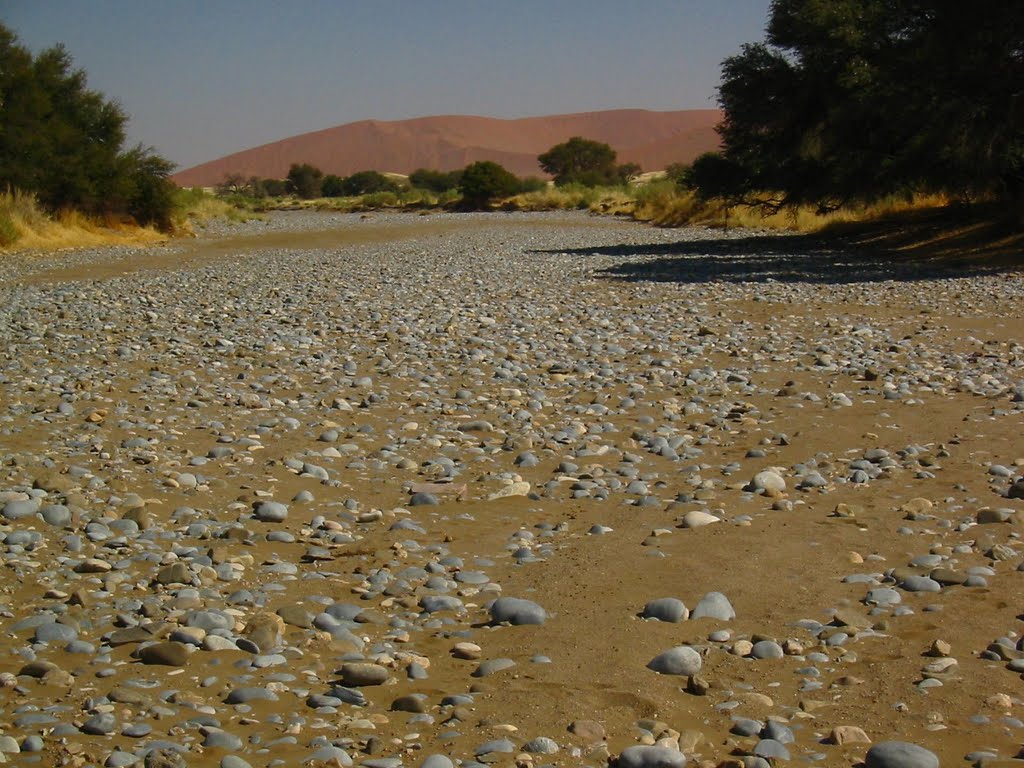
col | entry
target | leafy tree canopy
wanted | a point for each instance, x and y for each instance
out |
(435, 181)
(367, 183)
(304, 180)
(580, 161)
(857, 99)
(485, 181)
(65, 143)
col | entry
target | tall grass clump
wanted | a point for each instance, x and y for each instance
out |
(196, 206)
(570, 197)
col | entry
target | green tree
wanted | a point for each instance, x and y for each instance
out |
(65, 143)
(580, 161)
(714, 175)
(147, 190)
(856, 99)
(435, 181)
(333, 186)
(679, 173)
(368, 183)
(485, 181)
(304, 180)
(270, 187)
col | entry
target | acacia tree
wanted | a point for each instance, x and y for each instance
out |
(484, 181)
(580, 161)
(857, 99)
(65, 143)
(304, 180)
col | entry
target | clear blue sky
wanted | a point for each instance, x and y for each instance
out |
(204, 78)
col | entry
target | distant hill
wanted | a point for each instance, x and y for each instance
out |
(445, 143)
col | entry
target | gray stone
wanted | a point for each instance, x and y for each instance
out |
(517, 611)
(497, 745)
(668, 609)
(360, 674)
(714, 605)
(899, 754)
(168, 653)
(767, 649)
(541, 745)
(491, 666)
(643, 756)
(100, 724)
(681, 660)
(270, 511)
(245, 695)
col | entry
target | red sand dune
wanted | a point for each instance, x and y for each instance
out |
(652, 139)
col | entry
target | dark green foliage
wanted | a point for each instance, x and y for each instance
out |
(271, 187)
(680, 174)
(485, 181)
(435, 181)
(586, 162)
(148, 193)
(531, 184)
(304, 180)
(714, 175)
(65, 143)
(857, 99)
(332, 186)
(368, 183)
(628, 171)
(253, 187)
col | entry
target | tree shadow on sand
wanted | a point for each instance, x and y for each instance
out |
(924, 247)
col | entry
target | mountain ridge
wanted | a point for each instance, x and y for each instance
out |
(449, 142)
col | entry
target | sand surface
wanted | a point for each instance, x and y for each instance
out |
(344, 363)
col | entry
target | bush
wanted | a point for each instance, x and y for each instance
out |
(679, 174)
(304, 180)
(9, 233)
(386, 199)
(714, 175)
(485, 181)
(368, 183)
(435, 181)
(333, 186)
(582, 161)
(64, 143)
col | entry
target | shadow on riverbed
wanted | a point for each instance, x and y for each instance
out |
(908, 250)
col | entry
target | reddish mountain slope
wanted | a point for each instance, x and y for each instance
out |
(652, 139)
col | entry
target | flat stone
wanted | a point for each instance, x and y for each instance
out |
(899, 754)
(360, 674)
(644, 756)
(168, 653)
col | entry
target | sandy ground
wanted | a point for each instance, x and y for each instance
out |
(797, 360)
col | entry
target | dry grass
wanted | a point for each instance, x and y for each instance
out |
(24, 225)
(661, 203)
(573, 197)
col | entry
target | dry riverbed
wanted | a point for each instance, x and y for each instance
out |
(513, 489)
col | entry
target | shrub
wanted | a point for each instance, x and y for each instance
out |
(435, 181)
(333, 186)
(304, 180)
(485, 181)
(9, 233)
(64, 143)
(368, 183)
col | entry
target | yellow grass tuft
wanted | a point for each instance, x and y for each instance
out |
(661, 203)
(24, 225)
